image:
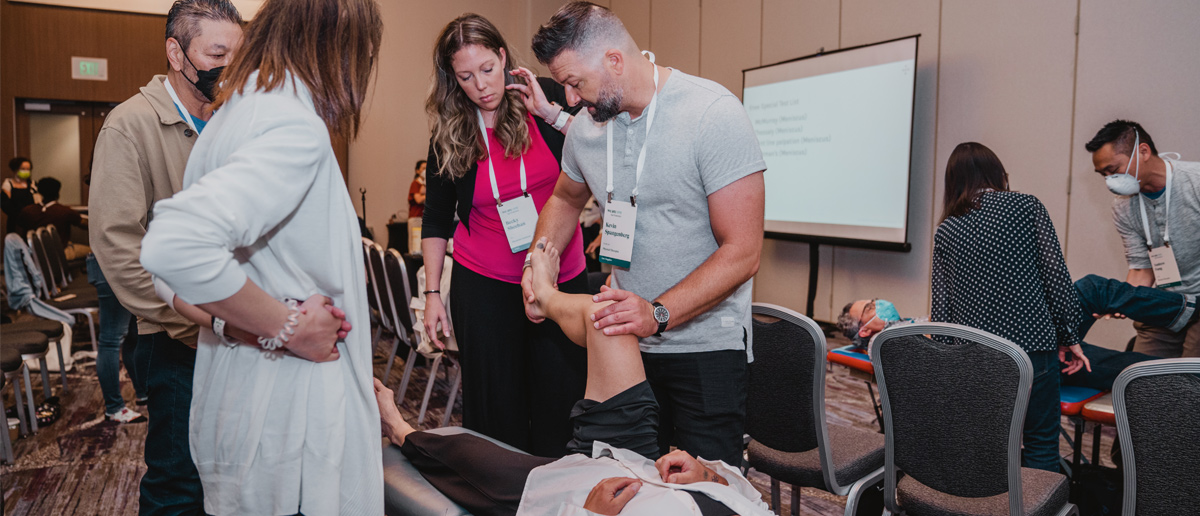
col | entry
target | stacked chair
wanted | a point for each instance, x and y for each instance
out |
(785, 415)
(389, 294)
(953, 415)
(1157, 405)
(62, 289)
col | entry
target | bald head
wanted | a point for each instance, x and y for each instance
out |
(587, 29)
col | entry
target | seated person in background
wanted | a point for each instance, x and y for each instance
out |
(50, 212)
(616, 428)
(861, 320)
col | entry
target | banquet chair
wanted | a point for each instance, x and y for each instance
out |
(953, 415)
(785, 415)
(1157, 406)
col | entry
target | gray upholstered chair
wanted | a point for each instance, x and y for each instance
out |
(407, 493)
(1157, 406)
(785, 415)
(953, 414)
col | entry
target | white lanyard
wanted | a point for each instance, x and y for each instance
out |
(187, 117)
(1166, 233)
(492, 168)
(641, 163)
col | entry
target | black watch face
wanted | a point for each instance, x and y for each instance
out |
(661, 314)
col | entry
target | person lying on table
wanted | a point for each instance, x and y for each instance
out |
(861, 320)
(615, 439)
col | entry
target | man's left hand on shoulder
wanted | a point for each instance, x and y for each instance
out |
(629, 314)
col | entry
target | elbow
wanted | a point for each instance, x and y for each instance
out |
(153, 258)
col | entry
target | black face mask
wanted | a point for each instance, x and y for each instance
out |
(206, 80)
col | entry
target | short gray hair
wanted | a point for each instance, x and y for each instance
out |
(581, 27)
(183, 20)
(848, 324)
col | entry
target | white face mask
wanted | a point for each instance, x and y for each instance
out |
(1123, 183)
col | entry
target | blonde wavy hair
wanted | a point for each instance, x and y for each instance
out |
(456, 137)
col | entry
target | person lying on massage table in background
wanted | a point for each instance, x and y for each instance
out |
(860, 321)
(611, 470)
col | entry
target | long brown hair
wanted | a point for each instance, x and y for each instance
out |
(972, 168)
(330, 45)
(456, 137)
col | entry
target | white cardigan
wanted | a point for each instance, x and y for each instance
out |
(264, 199)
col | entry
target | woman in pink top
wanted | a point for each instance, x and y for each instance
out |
(494, 157)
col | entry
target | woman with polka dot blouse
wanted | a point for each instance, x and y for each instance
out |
(998, 266)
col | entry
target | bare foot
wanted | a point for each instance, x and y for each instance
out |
(544, 261)
(393, 424)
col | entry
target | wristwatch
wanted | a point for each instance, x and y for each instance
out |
(663, 316)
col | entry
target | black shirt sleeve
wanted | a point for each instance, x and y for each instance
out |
(1057, 287)
(441, 199)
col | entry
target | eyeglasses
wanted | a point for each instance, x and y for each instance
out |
(870, 306)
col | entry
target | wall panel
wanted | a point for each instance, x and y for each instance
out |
(794, 28)
(1006, 81)
(675, 25)
(635, 14)
(730, 40)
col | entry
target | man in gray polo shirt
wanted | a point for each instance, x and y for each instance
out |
(694, 215)
(1147, 187)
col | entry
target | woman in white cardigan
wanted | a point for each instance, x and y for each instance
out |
(286, 423)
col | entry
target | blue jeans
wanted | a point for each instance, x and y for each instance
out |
(1150, 306)
(115, 342)
(1106, 365)
(1042, 417)
(171, 484)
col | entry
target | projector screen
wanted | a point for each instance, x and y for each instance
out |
(836, 133)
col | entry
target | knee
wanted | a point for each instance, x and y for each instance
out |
(1090, 281)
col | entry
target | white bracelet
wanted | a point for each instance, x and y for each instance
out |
(289, 328)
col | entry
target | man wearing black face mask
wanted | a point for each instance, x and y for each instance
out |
(140, 157)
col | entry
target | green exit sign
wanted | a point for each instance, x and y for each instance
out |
(89, 68)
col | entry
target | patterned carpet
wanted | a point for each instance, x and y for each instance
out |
(84, 465)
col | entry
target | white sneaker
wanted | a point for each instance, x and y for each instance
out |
(125, 416)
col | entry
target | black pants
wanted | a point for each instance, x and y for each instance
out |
(171, 484)
(703, 402)
(519, 379)
(489, 480)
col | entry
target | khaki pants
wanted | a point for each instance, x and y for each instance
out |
(1163, 343)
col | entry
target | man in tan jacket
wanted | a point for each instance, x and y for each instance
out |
(140, 157)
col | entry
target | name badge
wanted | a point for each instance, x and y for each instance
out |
(519, 217)
(616, 244)
(1166, 271)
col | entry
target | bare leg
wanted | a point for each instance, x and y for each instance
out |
(614, 362)
(394, 426)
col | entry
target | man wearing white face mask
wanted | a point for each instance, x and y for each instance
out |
(1157, 214)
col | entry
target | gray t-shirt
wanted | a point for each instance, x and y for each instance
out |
(701, 141)
(1184, 225)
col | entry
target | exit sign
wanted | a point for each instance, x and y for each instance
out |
(89, 68)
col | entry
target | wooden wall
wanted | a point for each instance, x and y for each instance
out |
(36, 46)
